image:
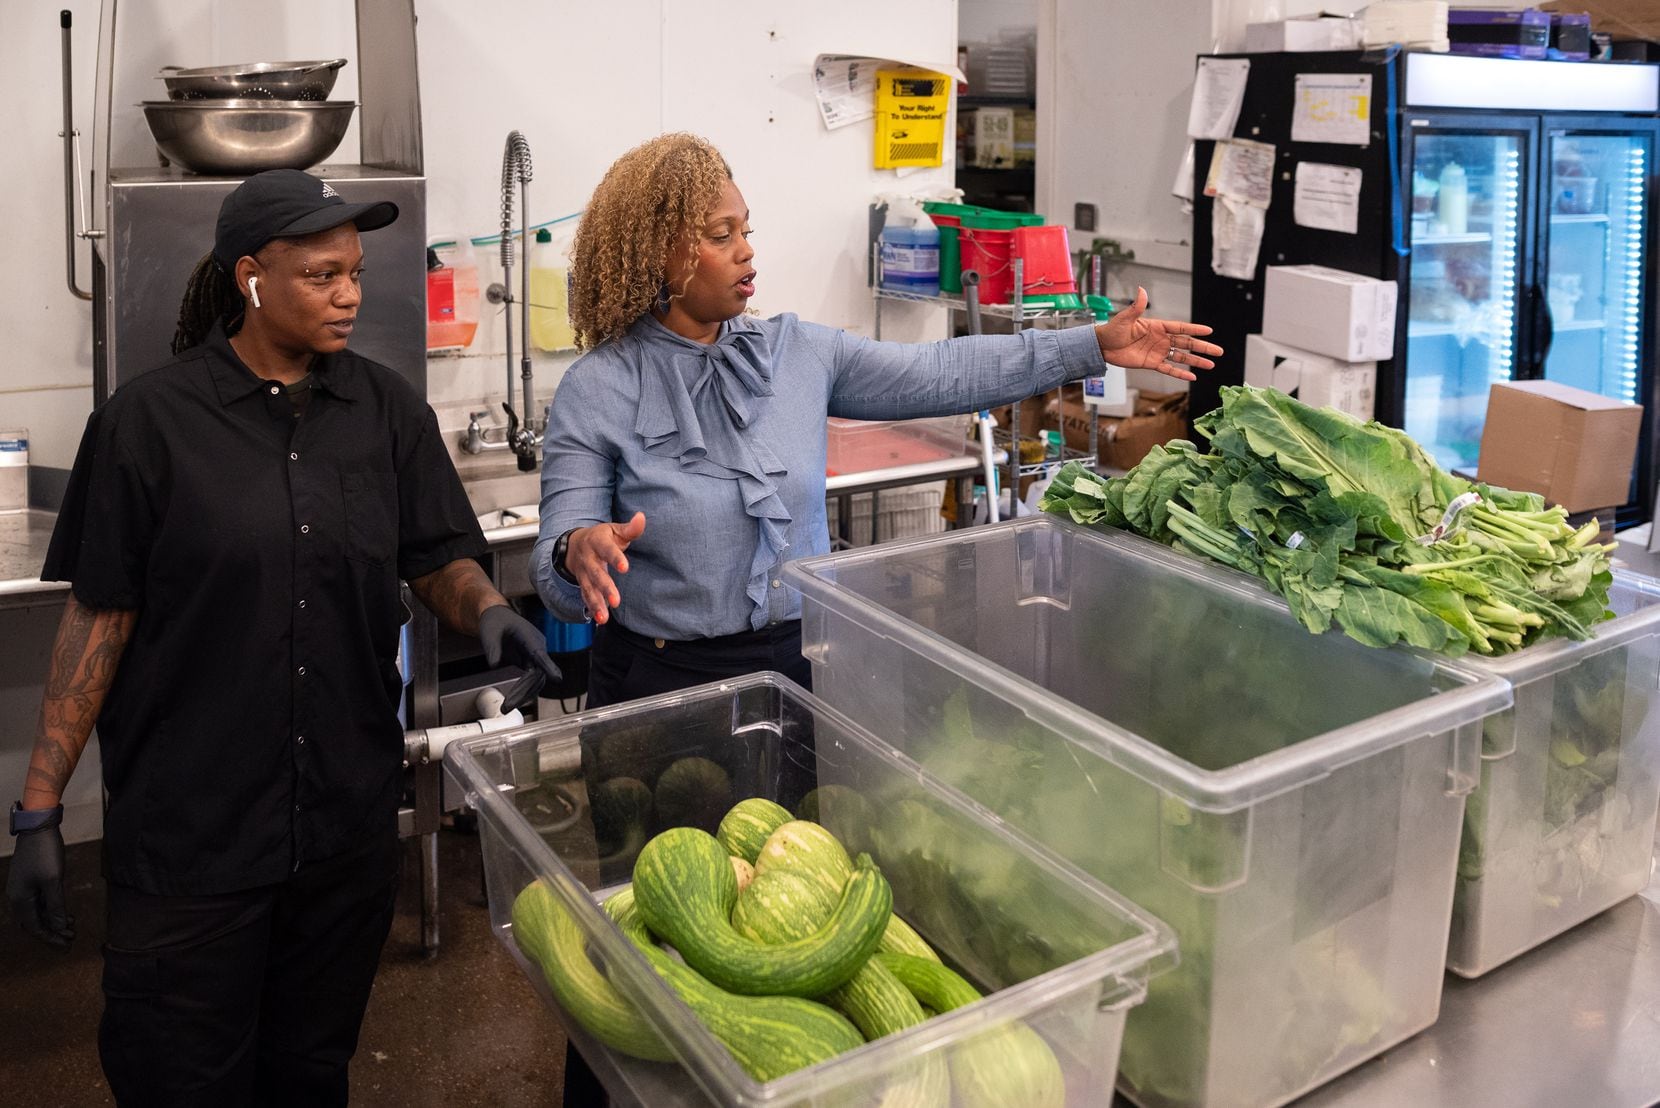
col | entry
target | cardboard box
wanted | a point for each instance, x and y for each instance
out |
(1575, 448)
(1624, 19)
(1122, 443)
(1330, 311)
(1304, 34)
(993, 137)
(1315, 379)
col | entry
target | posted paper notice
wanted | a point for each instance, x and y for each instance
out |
(1243, 170)
(1333, 107)
(1327, 197)
(1218, 94)
(1235, 237)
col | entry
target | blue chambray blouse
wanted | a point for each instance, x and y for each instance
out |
(722, 446)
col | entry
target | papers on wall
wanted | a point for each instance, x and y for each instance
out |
(1243, 170)
(1235, 237)
(845, 84)
(1333, 107)
(1218, 94)
(1327, 197)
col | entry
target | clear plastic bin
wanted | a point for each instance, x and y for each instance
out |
(1562, 826)
(1288, 803)
(1051, 948)
(858, 445)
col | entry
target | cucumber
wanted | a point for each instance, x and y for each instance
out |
(545, 930)
(1010, 1064)
(770, 1036)
(686, 890)
(744, 830)
(808, 849)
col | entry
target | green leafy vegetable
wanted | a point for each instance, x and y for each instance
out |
(1349, 522)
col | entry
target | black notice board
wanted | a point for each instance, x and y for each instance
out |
(1234, 307)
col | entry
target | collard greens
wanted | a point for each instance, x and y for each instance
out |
(1349, 522)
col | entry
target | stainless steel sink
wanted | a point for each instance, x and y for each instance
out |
(514, 516)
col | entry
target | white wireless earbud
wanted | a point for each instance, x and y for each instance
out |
(253, 293)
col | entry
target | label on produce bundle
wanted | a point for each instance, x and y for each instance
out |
(1294, 541)
(1449, 519)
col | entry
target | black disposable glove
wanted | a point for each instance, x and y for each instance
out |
(508, 636)
(35, 887)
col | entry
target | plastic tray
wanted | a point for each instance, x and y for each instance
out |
(1562, 826)
(1290, 804)
(858, 446)
(1051, 947)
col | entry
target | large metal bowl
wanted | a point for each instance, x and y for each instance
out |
(235, 138)
(311, 80)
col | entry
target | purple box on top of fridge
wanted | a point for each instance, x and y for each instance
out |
(1495, 33)
(1570, 36)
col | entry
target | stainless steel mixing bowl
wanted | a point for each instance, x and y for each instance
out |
(310, 80)
(239, 137)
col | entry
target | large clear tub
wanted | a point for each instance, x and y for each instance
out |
(1562, 826)
(1290, 804)
(568, 803)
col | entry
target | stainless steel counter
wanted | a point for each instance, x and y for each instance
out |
(24, 535)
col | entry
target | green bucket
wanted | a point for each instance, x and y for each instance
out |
(949, 217)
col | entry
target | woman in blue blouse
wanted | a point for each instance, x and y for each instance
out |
(684, 457)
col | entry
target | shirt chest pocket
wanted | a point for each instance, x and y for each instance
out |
(371, 505)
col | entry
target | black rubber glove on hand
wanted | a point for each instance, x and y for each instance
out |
(35, 887)
(509, 637)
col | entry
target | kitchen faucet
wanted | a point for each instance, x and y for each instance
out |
(524, 434)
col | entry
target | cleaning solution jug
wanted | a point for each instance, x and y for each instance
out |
(550, 314)
(1452, 204)
(452, 294)
(910, 247)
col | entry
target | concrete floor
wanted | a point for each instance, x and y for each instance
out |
(464, 1028)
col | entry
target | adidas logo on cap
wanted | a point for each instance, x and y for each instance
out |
(328, 189)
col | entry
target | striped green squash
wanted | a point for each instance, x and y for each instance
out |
(901, 938)
(1010, 1064)
(770, 1036)
(809, 849)
(781, 905)
(742, 871)
(545, 930)
(686, 890)
(744, 829)
(625, 914)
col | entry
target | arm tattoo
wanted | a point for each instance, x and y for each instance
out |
(457, 593)
(84, 659)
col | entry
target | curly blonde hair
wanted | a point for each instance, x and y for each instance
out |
(651, 199)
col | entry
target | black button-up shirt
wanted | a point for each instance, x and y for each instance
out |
(252, 725)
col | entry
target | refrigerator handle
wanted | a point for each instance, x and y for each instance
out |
(1544, 329)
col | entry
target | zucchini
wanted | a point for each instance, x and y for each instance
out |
(625, 914)
(901, 938)
(686, 890)
(770, 1036)
(1009, 1064)
(781, 905)
(551, 938)
(808, 849)
(744, 830)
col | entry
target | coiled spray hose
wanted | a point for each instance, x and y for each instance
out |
(516, 167)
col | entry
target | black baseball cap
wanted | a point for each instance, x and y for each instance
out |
(286, 203)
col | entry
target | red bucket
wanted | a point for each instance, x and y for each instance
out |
(1046, 261)
(987, 252)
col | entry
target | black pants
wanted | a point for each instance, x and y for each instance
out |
(627, 666)
(245, 998)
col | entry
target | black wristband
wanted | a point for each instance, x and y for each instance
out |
(24, 821)
(561, 546)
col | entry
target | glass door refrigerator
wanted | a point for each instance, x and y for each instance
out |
(1511, 202)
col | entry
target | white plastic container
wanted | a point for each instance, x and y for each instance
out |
(1051, 948)
(1290, 804)
(1562, 825)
